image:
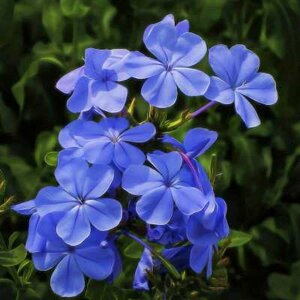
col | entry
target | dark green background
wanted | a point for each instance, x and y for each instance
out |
(42, 40)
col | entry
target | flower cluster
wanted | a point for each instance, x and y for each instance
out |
(112, 170)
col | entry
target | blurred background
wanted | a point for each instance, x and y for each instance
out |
(259, 169)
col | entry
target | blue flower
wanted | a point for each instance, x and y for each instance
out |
(96, 83)
(196, 141)
(238, 79)
(161, 188)
(175, 50)
(206, 228)
(78, 196)
(108, 141)
(93, 258)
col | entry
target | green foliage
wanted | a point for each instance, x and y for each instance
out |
(256, 171)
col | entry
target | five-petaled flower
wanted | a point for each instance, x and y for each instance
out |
(238, 79)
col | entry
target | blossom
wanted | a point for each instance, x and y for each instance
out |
(92, 258)
(238, 80)
(78, 196)
(96, 83)
(175, 50)
(109, 141)
(161, 188)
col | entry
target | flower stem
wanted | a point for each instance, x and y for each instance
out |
(202, 109)
(173, 271)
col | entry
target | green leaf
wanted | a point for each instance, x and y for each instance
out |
(133, 250)
(45, 142)
(53, 21)
(100, 291)
(6, 18)
(238, 238)
(25, 270)
(13, 237)
(74, 9)
(51, 158)
(3, 184)
(12, 257)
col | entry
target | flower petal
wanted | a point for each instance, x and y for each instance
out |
(160, 41)
(104, 213)
(182, 27)
(190, 81)
(26, 208)
(67, 83)
(97, 181)
(261, 88)
(219, 91)
(160, 90)
(95, 262)
(80, 99)
(199, 258)
(140, 66)
(126, 154)
(67, 280)
(246, 111)
(222, 62)
(198, 140)
(74, 227)
(109, 96)
(138, 180)
(99, 151)
(71, 175)
(139, 134)
(54, 199)
(189, 50)
(94, 60)
(246, 63)
(168, 164)
(188, 199)
(156, 206)
(44, 261)
(35, 241)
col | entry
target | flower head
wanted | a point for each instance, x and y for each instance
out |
(79, 197)
(161, 187)
(238, 79)
(175, 50)
(109, 141)
(96, 83)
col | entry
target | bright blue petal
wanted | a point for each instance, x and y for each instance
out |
(222, 62)
(246, 63)
(156, 207)
(126, 154)
(140, 66)
(67, 83)
(74, 227)
(246, 111)
(188, 199)
(54, 199)
(70, 176)
(139, 134)
(65, 136)
(95, 262)
(160, 90)
(204, 180)
(219, 91)
(94, 60)
(160, 41)
(261, 88)
(190, 81)
(182, 27)
(109, 96)
(99, 151)
(80, 99)
(104, 214)
(35, 241)
(168, 164)
(189, 50)
(67, 279)
(97, 181)
(198, 140)
(117, 267)
(139, 180)
(140, 281)
(25, 208)
(66, 155)
(199, 257)
(171, 140)
(44, 261)
(115, 125)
